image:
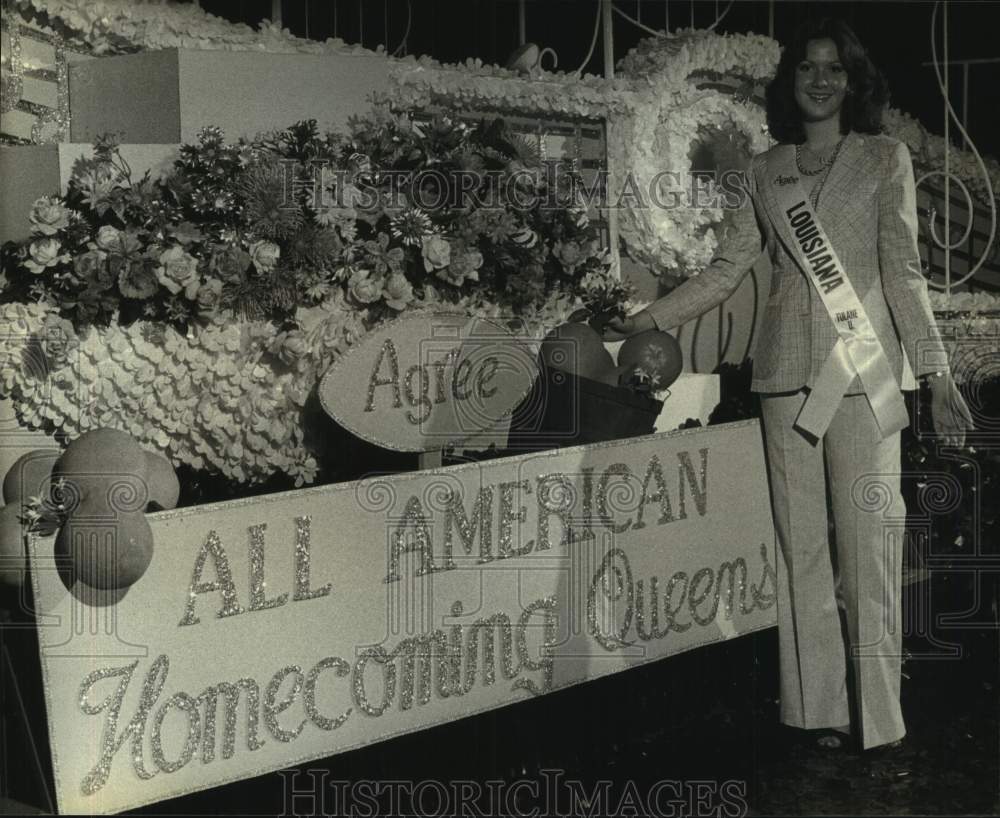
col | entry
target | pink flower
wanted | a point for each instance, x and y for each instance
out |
(398, 291)
(178, 271)
(229, 262)
(48, 216)
(90, 264)
(138, 280)
(436, 252)
(44, 253)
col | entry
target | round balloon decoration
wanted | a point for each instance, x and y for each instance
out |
(104, 481)
(117, 558)
(95, 494)
(30, 475)
(577, 349)
(652, 357)
(164, 489)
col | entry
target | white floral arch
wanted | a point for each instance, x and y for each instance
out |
(683, 126)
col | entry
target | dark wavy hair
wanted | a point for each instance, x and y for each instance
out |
(868, 90)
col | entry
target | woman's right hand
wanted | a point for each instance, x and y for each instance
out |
(618, 329)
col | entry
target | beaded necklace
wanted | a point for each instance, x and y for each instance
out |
(824, 169)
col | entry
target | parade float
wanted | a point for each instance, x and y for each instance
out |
(257, 392)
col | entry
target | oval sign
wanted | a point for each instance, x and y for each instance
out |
(428, 380)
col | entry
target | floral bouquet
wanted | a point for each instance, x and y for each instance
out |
(199, 310)
(258, 229)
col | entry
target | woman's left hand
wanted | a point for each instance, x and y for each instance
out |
(951, 417)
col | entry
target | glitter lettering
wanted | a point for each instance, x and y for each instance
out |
(615, 599)
(224, 583)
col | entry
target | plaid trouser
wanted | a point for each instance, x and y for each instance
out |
(860, 473)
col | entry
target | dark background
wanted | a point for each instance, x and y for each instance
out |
(897, 34)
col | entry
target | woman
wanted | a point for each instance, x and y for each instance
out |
(847, 315)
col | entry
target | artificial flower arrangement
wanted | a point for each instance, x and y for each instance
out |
(198, 311)
(657, 109)
(656, 145)
(120, 26)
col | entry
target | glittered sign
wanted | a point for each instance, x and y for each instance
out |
(428, 380)
(271, 631)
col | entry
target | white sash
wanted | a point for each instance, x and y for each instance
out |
(857, 351)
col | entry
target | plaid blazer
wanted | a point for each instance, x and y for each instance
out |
(868, 208)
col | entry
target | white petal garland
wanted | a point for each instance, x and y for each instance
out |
(209, 398)
(152, 25)
(660, 134)
(675, 239)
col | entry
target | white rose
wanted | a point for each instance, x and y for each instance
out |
(44, 253)
(436, 253)
(178, 271)
(48, 216)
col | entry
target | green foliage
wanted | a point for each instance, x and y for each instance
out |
(384, 215)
